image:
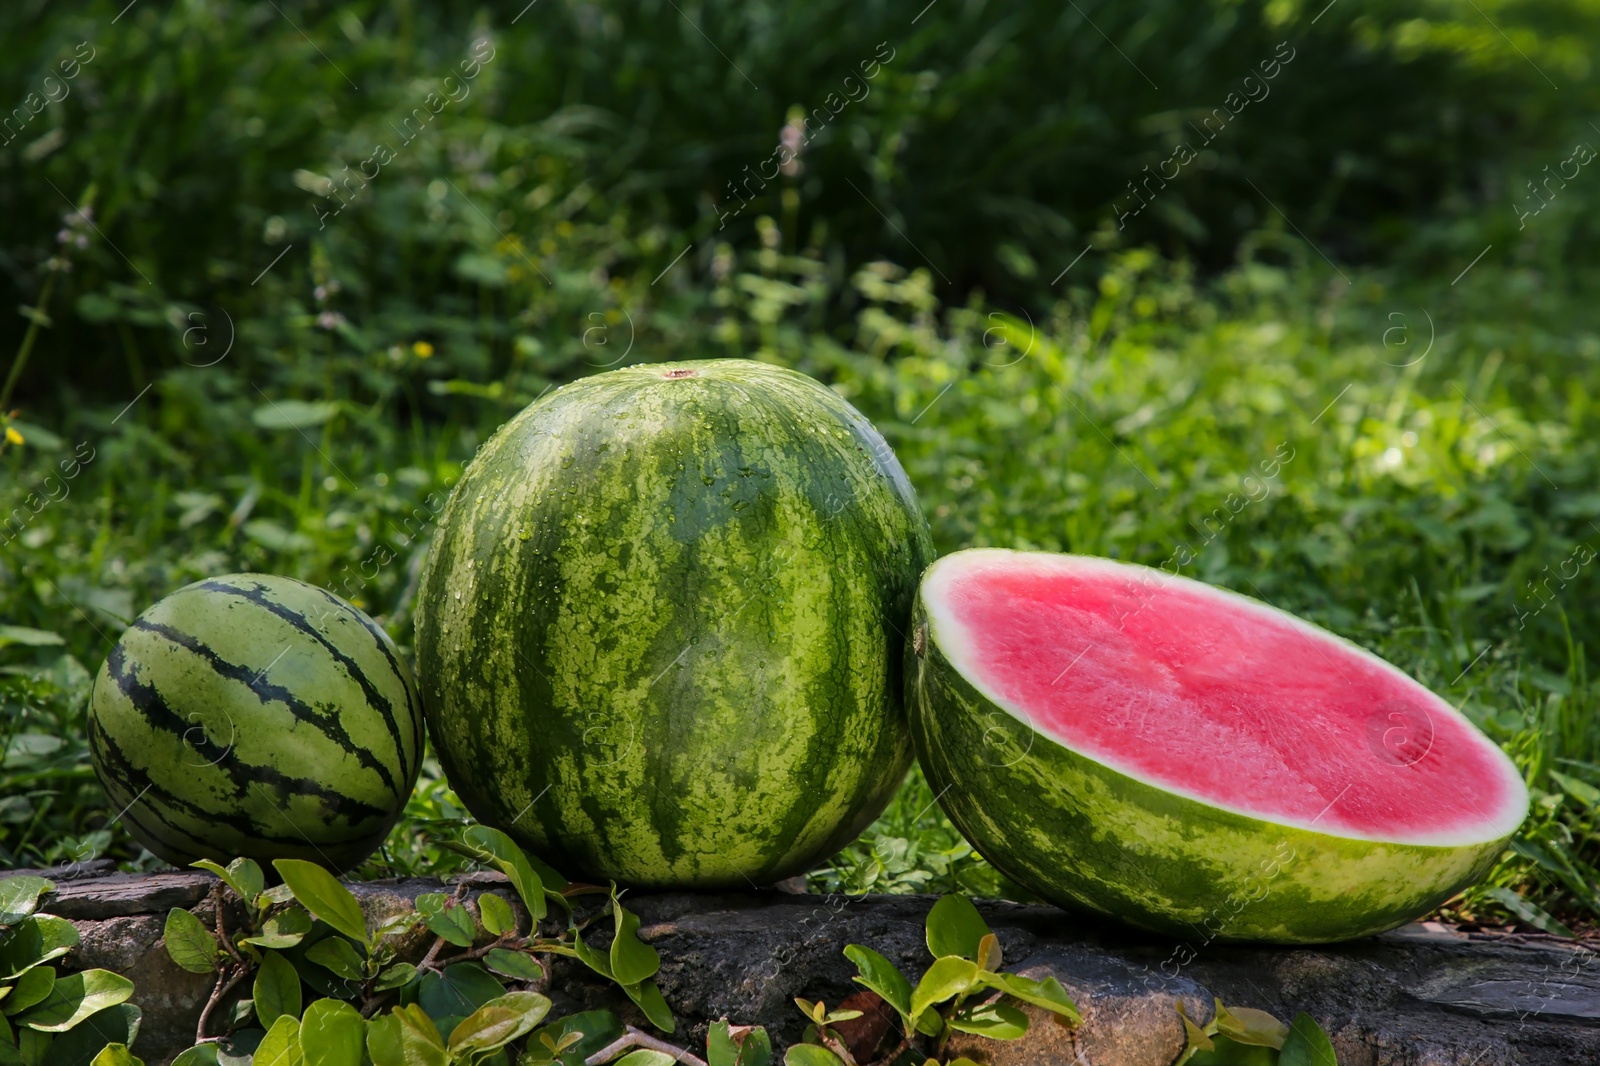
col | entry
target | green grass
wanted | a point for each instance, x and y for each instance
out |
(1415, 508)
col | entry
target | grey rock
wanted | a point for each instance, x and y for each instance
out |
(1421, 996)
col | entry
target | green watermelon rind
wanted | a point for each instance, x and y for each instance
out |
(1090, 838)
(659, 628)
(259, 716)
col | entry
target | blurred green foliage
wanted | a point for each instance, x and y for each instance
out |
(224, 374)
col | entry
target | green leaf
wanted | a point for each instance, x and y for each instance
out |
(276, 895)
(190, 943)
(989, 954)
(32, 638)
(457, 991)
(1246, 1025)
(513, 863)
(647, 997)
(322, 894)
(283, 930)
(293, 414)
(116, 1055)
(19, 897)
(810, 1055)
(517, 965)
(276, 990)
(632, 960)
(281, 1045)
(339, 957)
(74, 998)
(1226, 1052)
(1581, 791)
(34, 1045)
(496, 914)
(1046, 993)
(997, 1021)
(596, 961)
(119, 1025)
(646, 1057)
(955, 928)
(946, 979)
(199, 1055)
(242, 875)
(37, 938)
(751, 1048)
(882, 977)
(721, 1050)
(1307, 1044)
(498, 1022)
(386, 1044)
(332, 1034)
(1529, 911)
(31, 988)
(578, 1035)
(1197, 1039)
(401, 973)
(412, 1036)
(756, 1048)
(447, 919)
(396, 925)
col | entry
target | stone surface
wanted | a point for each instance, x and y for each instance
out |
(1420, 996)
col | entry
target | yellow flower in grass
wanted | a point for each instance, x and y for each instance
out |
(422, 349)
(13, 437)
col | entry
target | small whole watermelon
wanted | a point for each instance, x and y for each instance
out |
(259, 716)
(659, 631)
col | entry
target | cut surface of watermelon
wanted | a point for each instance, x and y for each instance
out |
(1219, 698)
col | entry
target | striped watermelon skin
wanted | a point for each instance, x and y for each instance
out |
(1088, 838)
(659, 631)
(260, 716)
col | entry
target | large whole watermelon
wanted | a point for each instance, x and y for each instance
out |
(1188, 760)
(659, 632)
(259, 716)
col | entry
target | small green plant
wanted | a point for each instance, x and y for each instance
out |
(1243, 1036)
(309, 934)
(963, 991)
(40, 1009)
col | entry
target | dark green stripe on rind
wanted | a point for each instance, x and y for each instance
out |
(401, 673)
(257, 594)
(241, 716)
(658, 631)
(267, 691)
(1085, 836)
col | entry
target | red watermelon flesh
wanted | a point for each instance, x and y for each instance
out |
(1220, 698)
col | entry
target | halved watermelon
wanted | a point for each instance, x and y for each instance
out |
(1190, 760)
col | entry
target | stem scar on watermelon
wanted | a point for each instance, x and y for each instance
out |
(1149, 747)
